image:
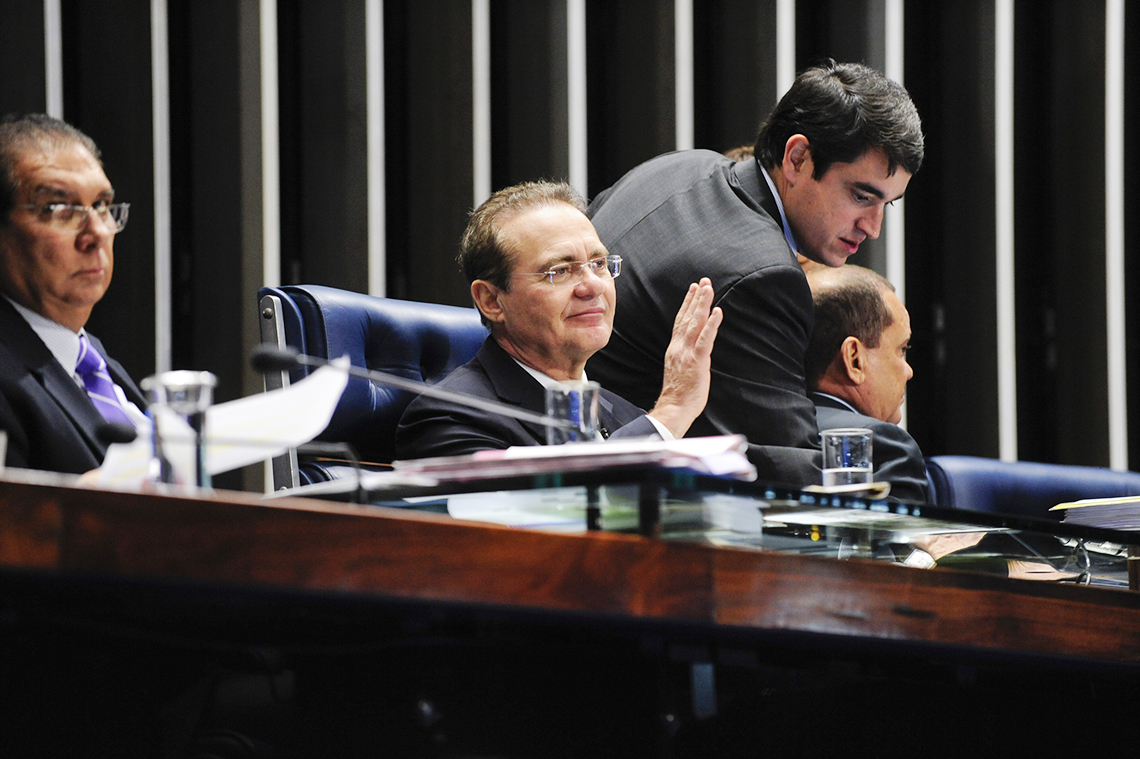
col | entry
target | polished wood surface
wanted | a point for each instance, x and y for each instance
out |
(394, 554)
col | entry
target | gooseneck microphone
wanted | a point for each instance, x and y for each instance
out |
(113, 432)
(270, 358)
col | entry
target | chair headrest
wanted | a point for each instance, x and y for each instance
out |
(419, 341)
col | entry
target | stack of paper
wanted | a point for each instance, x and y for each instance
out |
(1121, 513)
(721, 455)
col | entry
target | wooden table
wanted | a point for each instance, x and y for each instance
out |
(202, 578)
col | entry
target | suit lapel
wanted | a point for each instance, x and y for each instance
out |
(607, 420)
(513, 385)
(57, 383)
(755, 188)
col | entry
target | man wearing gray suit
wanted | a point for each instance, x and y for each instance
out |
(838, 148)
(857, 369)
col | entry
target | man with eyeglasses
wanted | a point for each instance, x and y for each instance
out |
(58, 221)
(544, 285)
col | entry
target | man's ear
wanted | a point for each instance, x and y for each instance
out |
(486, 297)
(797, 155)
(854, 355)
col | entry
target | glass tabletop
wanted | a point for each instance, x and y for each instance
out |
(681, 506)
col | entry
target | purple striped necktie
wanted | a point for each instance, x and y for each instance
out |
(92, 369)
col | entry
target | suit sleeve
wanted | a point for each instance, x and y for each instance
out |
(640, 427)
(431, 427)
(899, 461)
(758, 386)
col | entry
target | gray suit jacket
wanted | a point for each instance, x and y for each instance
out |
(433, 427)
(897, 458)
(693, 214)
(50, 421)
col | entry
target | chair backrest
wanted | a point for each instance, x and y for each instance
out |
(1021, 488)
(420, 341)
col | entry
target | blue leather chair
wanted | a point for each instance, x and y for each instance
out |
(420, 341)
(1021, 488)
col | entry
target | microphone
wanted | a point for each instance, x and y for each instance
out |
(112, 432)
(270, 358)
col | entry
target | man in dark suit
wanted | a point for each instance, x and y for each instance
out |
(58, 221)
(544, 284)
(840, 146)
(857, 369)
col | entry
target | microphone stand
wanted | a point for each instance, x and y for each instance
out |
(267, 358)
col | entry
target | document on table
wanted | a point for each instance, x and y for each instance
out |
(237, 433)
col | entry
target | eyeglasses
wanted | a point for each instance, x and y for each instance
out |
(571, 271)
(71, 218)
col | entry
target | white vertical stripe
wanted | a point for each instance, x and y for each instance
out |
(377, 221)
(785, 45)
(683, 72)
(160, 106)
(895, 230)
(1114, 233)
(576, 94)
(481, 97)
(895, 241)
(1004, 210)
(53, 58)
(270, 148)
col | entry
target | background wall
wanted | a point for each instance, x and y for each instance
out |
(343, 142)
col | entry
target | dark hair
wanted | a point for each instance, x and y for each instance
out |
(22, 134)
(483, 251)
(844, 109)
(848, 302)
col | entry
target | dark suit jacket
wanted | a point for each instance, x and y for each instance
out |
(432, 427)
(897, 458)
(50, 421)
(693, 214)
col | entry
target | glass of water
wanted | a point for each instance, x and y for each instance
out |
(575, 402)
(847, 456)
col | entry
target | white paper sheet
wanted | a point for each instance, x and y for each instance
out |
(238, 433)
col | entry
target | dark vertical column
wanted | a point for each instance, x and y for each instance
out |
(950, 230)
(206, 173)
(734, 61)
(529, 109)
(23, 86)
(217, 196)
(107, 94)
(429, 146)
(632, 91)
(1075, 209)
(1038, 352)
(324, 188)
(846, 31)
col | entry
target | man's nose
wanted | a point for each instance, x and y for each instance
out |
(872, 223)
(589, 281)
(909, 371)
(96, 225)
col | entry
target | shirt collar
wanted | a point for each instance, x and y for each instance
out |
(837, 399)
(543, 379)
(783, 218)
(60, 340)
